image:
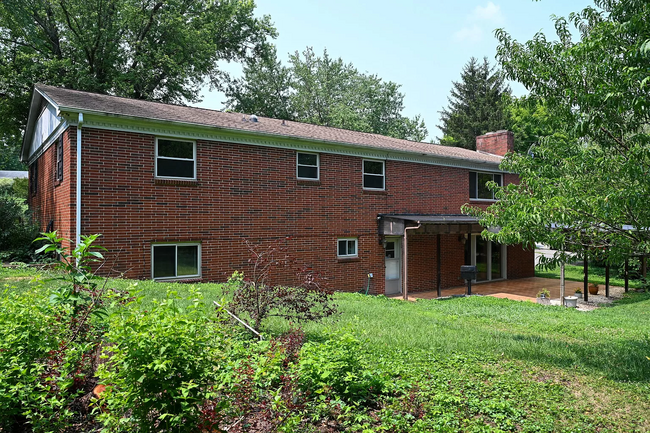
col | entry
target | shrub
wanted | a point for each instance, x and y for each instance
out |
(161, 367)
(336, 367)
(17, 231)
(258, 295)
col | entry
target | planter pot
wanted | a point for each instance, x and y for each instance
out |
(593, 289)
(571, 301)
(544, 301)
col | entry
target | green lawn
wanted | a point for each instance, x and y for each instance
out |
(487, 364)
(596, 275)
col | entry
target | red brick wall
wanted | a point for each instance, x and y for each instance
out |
(54, 200)
(521, 262)
(250, 192)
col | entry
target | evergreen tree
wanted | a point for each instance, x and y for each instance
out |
(475, 105)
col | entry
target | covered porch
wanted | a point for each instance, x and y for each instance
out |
(522, 289)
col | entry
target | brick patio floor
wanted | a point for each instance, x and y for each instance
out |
(523, 289)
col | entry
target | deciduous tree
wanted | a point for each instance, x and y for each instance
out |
(157, 50)
(590, 178)
(324, 91)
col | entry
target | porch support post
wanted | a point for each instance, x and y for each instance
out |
(438, 259)
(585, 292)
(405, 291)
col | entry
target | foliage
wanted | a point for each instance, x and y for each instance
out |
(323, 91)
(161, 51)
(335, 366)
(48, 350)
(589, 178)
(17, 231)
(544, 292)
(161, 364)
(79, 294)
(529, 121)
(476, 105)
(462, 364)
(259, 296)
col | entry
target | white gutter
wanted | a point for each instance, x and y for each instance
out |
(78, 190)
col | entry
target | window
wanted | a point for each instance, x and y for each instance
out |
(176, 261)
(347, 247)
(373, 174)
(175, 159)
(478, 189)
(33, 177)
(307, 166)
(58, 167)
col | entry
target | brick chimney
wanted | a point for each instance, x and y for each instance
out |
(496, 143)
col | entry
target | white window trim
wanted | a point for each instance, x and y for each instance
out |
(476, 186)
(176, 244)
(155, 172)
(348, 256)
(303, 165)
(363, 174)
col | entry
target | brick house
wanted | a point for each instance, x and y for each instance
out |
(175, 190)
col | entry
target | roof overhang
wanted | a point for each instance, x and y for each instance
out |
(394, 225)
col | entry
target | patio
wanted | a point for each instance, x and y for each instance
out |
(524, 289)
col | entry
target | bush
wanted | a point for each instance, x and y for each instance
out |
(17, 231)
(336, 367)
(161, 367)
(258, 295)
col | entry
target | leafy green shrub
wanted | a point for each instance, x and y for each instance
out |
(336, 366)
(17, 231)
(161, 366)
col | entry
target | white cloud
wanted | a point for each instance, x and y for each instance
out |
(481, 20)
(490, 14)
(469, 34)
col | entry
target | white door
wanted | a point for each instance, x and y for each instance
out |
(393, 266)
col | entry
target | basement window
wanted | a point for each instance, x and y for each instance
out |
(373, 175)
(307, 166)
(175, 159)
(477, 185)
(347, 247)
(173, 261)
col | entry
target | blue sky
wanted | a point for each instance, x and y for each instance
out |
(421, 45)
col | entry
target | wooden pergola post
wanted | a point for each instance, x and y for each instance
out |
(607, 281)
(627, 275)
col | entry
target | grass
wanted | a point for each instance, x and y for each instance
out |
(482, 363)
(596, 275)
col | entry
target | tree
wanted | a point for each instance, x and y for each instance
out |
(323, 91)
(586, 186)
(529, 120)
(162, 51)
(476, 105)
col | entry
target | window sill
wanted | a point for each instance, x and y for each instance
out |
(348, 259)
(484, 200)
(57, 183)
(176, 182)
(178, 280)
(375, 192)
(312, 182)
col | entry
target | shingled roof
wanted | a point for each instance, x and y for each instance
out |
(70, 100)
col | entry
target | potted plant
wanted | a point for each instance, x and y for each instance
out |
(544, 297)
(593, 289)
(572, 301)
(578, 293)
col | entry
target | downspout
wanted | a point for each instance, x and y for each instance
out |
(78, 190)
(405, 292)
